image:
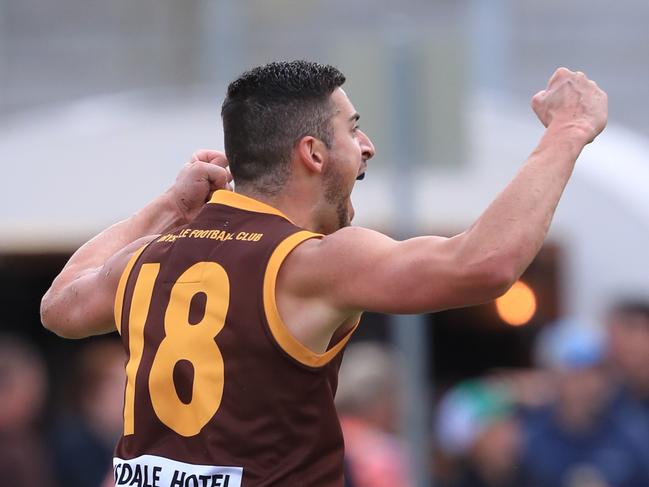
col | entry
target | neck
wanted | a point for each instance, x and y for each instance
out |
(301, 209)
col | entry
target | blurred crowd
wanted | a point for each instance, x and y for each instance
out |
(44, 444)
(579, 418)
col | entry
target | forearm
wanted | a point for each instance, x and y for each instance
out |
(156, 217)
(509, 234)
(80, 300)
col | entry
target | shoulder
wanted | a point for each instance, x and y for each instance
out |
(335, 254)
(343, 245)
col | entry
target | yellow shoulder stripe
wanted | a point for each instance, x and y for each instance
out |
(280, 332)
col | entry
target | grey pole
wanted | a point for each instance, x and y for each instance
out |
(409, 332)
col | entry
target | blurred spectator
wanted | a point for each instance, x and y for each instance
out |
(476, 426)
(368, 408)
(628, 331)
(584, 438)
(85, 439)
(24, 458)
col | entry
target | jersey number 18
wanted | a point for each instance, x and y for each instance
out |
(193, 342)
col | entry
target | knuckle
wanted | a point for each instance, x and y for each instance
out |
(198, 166)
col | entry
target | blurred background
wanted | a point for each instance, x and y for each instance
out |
(101, 102)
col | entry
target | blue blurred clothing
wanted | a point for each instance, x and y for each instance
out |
(615, 449)
(624, 397)
(82, 459)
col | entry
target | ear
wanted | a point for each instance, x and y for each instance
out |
(311, 153)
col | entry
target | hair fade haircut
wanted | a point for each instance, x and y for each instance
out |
(267, 110)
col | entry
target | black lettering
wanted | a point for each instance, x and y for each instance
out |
(156, 476)
(216, 480)
(127, 473)
(146, 477)
(227, 480)
(194, 481)
(176, 481)
(137, 478)
(204, 479)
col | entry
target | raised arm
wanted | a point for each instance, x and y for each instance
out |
(368, 271)
(80, 301)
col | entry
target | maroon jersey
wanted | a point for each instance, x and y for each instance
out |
(218, 391)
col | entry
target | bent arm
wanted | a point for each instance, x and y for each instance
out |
(158, 216)
(508, 235)
(369, 271)
(80, 301)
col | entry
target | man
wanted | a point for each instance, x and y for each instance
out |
(583, 436)
(368, 409)
(23, 389)
(234, 323)
(480, 435)
(627, 324)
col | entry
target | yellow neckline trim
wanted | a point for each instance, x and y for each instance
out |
(236, 200)
(280, 332)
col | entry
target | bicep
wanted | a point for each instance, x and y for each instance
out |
(368, 271)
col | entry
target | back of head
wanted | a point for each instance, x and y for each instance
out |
(268, 110)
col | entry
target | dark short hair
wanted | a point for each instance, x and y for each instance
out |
(267, 110)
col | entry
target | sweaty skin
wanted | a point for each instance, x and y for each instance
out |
(325, 283)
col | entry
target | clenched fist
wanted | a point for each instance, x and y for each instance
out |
(206, 172)
(572, 101)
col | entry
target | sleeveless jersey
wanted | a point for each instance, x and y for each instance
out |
(218, 391)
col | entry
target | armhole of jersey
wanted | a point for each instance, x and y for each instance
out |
(121, 288)
(278, 329)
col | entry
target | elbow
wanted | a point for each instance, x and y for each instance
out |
(493, 278)
(47, 318)
(52, 320)
(503, 277)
